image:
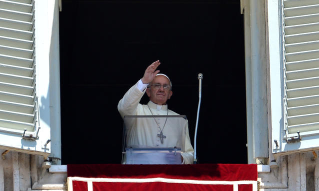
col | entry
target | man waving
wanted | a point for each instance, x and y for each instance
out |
(159, 132)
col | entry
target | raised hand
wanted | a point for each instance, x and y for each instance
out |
(150, 72)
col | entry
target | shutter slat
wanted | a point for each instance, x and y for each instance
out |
(18, 89)
(300, 101)
(301, 83)
(20, 16)
(290, 4)
(16, 61)
(305, 28)
(16, 107)
(301, 10)
(303, 110)
(297, 47)
(304, 37)
(302, 92)
(15, 70)
(299, 74)
(17, 98)
(21, 1)
(14, 79)
(303, 127)
(18, 34)
(298, 56)
(302, 65)
(15, 6)
(304, 19)
(10, 124)
(15, 116)
(14, 24)
(303, 119)
(16, 52)
(16, 43)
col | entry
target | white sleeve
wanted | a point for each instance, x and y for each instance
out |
(129, 103)
(141, 86)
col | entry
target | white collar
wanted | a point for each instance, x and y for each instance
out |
(157, 107)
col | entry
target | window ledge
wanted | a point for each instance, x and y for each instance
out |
(63, 169)
(58, 169)
(263, 168)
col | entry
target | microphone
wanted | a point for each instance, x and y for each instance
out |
(200, 78)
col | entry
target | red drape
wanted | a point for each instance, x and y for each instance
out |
(199, 172)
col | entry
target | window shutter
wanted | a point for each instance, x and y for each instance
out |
(17, 85)
(301, 66)
(19, 107)
(293, 46)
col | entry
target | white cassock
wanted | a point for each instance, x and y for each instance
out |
(145, 132)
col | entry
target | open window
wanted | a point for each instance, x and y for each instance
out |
(26, 76)
(294, 75)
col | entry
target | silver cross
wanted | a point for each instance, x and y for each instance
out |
(161, 136)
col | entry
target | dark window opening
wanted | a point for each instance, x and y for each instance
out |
(105, 48)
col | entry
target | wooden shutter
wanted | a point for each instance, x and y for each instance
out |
(301, 65)
(17, 67)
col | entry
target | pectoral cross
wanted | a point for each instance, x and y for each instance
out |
(161, 136)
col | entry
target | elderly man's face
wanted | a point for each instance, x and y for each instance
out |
(159, 95)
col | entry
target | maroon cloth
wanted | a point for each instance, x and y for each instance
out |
(221, 172)
(159, 186)
(208, 172)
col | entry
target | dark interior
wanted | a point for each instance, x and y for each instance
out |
(107, 45)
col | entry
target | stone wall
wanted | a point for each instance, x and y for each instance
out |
(25, 172)
(299, 171)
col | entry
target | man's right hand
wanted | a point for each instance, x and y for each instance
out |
(150, 72)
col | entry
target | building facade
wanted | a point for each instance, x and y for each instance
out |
(282, 83)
